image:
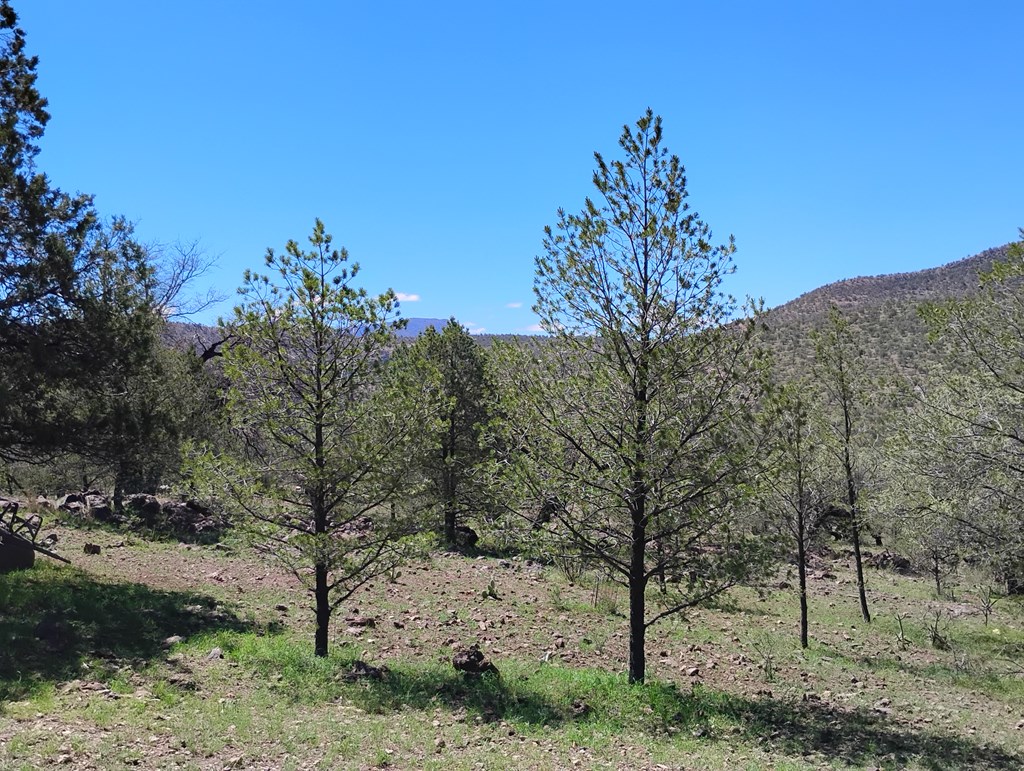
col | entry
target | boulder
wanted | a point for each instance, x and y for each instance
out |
(465, 536)
(143, 506)
(188, 518)
(98, 506)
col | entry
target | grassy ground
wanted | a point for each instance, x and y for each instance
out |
(92, 675)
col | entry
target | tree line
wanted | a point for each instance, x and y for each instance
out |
(646, 434)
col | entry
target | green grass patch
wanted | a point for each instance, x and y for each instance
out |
(55, 619)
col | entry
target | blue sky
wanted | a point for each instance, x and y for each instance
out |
(436, 140)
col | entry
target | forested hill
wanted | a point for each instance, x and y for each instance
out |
(882, 309)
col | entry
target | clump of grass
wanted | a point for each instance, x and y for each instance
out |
(766, 646)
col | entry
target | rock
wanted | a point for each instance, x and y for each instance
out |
(188, 518)
(366, 622)
(362, 671)
(45, 503)
(281, 607)
(580, 708)
(472, 663)
(172, 640)
(91, 548)
(98, 507)
(466, 537)
(144, 506)
(889, 561)
(692, 671)
(214, 654)
(67, 501)
(182, 681)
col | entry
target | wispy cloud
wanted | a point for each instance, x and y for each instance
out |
(407, 298)
(534, 329)
(516, 304)
(476, 330)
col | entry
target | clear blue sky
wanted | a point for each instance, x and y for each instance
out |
(435, 140)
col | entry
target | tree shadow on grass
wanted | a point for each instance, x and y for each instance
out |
(55, 619)
(852, 737)
(489, 696)
(856, 736)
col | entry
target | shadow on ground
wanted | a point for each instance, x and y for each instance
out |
(54, 619)
(852, 736)
(488, 696)
(812, 730)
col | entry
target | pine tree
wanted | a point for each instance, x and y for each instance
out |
(327, 435)
(643, 397)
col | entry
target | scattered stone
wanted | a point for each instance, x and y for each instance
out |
(693, 671)
(364, 622)
(889, 561)
(362, 671)
(182, 681)
(439, 744)
(214, 654)
(471, 662)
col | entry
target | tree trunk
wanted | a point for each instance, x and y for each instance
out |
(323, 611)
(801, 556)
(449, 522)
(860, 572)
(637, 630)
(120, 480)
(637, 609)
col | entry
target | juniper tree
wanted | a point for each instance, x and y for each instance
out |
(450, 457)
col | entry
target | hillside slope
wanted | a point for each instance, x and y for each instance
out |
(883, 311)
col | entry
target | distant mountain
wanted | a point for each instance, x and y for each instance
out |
(883, 311)
(416, 327)
(200, 336)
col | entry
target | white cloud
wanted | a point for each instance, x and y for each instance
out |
(475, 330)
(534, 329)
(514, 305)
(407, 298)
